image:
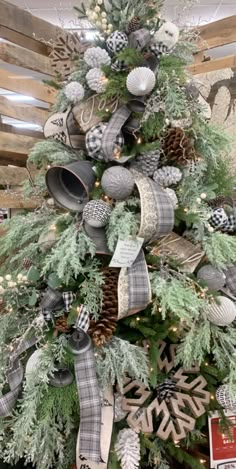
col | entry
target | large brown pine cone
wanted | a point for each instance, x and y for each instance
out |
(177, 147)
(61, 324)
(102, 330)
(133, 25)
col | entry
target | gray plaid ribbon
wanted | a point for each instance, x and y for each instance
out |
(139, 284)
(15, 377)
(139, 39)
(113, 128)
(90, 405)
(53, 300)
(83, 319)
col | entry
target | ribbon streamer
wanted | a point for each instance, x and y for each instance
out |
(112, 130)
(15, 377)
(90, 405)
(53, 300)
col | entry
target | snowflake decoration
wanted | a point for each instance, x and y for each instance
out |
(66, 48)
(177, 415)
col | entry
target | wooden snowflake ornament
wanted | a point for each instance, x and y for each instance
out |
(177, 416)
(66, 48)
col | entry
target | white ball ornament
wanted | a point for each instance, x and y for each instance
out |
(33, 361)
(1, 279)
(94, 16)
(104, 21)
(8, 277)
(221, 314)
(99, 2)
(95, 57)
(117, 41)
(97, 213)
(104, 15)
(74, 91)
(96, 80)
(1, 290)
(97, 9)
(140, 81)
(117, 182)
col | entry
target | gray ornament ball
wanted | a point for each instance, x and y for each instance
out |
(230, 281)
(117, 182)
(214, 278)
(97, 213)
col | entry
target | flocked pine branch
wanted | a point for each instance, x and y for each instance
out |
(122, 223)
(118, 358)
(51, 152)
(220, 249)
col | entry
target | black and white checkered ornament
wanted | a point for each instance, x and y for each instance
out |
(119, 66)
(218, 218)
(166, 390)
(230, 224)
(116, 42)
(93, 141)
(97, 213)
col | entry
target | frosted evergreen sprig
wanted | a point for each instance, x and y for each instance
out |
(122, 223)
(118, 358)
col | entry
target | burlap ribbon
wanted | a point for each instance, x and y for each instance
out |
(15, 377)
(112, 130)
(134, 289)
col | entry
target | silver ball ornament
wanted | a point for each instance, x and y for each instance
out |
(97, 213)
(214, 278)
(117, 182)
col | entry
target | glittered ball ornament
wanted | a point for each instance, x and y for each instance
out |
(222, 312)
(74, 92)
(97, 213)
(116, 42)
(96, 80)
(95, 57)
(225, 398)
(117, 182)
(93, 142)
(214, 278)
(140, 81)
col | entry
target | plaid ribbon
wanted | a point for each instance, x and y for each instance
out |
(113, 129)
(83, 319)
(90, 405)
(53, 300)
(15, 377)
(139, 39)
(159, 49)
(139, 285)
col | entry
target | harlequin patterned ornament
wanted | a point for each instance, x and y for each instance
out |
(96, 80)
(140, 81)
(95, 57)
(116, 42)
(117, 182)
(221, 314)
(218, 218)
(93, 142)
(225, 398)
(97, 213)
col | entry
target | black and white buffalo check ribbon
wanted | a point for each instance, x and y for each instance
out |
(90, 405)
(82, 321)
(15, 377)
(220, 220)
(113, 128)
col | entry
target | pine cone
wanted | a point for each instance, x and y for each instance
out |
(147, 163)
(61, 324)
(102, 330)
(220, 201)
(2, 306)
(26, 263)
(133, 25)
(177, 146)
(167, 175)
(166, 390)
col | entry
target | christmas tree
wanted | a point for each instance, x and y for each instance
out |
(117, 294)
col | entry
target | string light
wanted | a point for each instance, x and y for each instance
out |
(212, 397)
(186, 209)
(78, 309)
(106, 197)
(117, 154)
(148, 346)
(139, 141)
(174, 329)
(206, 364)
(48, 166)
(202, 461)
(53, 227)
(138, 319)
(151, 369)
(160, 310)
(97, 183)
(107, 110)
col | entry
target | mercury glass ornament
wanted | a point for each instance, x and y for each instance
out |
(214, 278)
(117, 182)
